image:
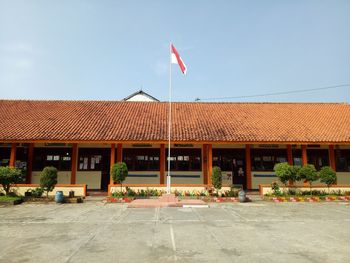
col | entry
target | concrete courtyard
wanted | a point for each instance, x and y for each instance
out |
(251, 232)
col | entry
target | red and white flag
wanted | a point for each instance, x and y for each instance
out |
(176, 59)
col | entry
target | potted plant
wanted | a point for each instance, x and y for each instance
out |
(119, 173)
(328, 176)
(48, 179)
(216, 178)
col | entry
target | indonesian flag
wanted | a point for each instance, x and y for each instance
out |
(176, 59)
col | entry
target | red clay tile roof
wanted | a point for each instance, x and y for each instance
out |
(143, 121)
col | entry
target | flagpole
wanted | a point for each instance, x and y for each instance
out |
(168, 179)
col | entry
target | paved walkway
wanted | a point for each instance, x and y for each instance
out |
(250, 232)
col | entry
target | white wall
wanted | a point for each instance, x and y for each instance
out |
(141, 97)
(91, 178)
(343, 177)
(63, 177)
(143, 178)
(256, 179)
(187, 179)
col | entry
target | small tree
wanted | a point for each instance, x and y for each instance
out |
(309, 173)
(119, 172)
(9, 176)
(48, 179)
(328, 176)
(216, 178)
(295, 173)
(283, 172)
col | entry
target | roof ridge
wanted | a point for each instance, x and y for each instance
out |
(177, 102)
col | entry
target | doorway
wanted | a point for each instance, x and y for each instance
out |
(232, 162)
(93, 167)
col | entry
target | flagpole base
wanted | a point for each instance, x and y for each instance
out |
(168, 190)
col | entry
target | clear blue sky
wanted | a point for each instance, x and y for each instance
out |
(106, 50)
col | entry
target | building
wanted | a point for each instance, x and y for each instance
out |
(140, 96)
(83, 138)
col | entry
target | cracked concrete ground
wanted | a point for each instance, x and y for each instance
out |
(250, 232)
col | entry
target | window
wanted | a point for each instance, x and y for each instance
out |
(318, 157)
(5, 153)
(224, 158)
(297, 160)
(90, 159)
(265, 159)
(57, 157)
(185, 160)
(342, 160)
(142, 159)
(21, 158)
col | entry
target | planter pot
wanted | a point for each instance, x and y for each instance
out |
(242, 196)
(59, 197)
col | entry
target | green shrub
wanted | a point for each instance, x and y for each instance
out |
(119, 172)
(316, 192)
(275, 189)
(48, 179)
(142, 193)
(9, 176)
(153, 192)
(231, 193)
(286, 173)
(309, 173)
(328, 176)
(130, 192)
(336, 192)
(204, 193)
(216, 178)
(118, 194)
(283, 172)
(37, 192)
(295, 173)
(292, 191)
(10, 198)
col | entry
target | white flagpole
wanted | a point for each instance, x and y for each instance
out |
(168, 179)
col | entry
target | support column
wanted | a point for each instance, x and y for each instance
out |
(74, 163)
(290, 159)
(119, 153)
(210, 162)
(162, 164)
(13, 155)
(304, 159)
(289, 154)
(205, 163)
(332, 162)
(30, 163)
(112, 162)
(248, 166)
(303, 155)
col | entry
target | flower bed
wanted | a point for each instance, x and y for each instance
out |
(51, 199)
(111, 199)
(10, 200)
(310, 199)
(213, 199)
(31, 199)
(207, 195)
(210, 199)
